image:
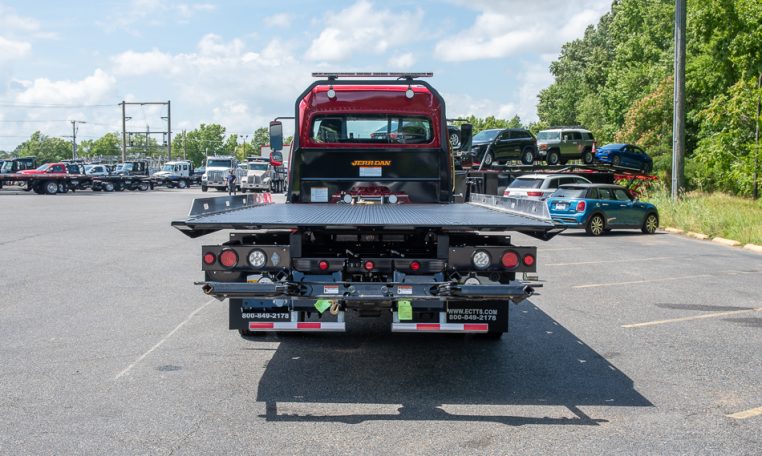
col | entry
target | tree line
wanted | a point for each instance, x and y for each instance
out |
(194, 145)
(617, 81)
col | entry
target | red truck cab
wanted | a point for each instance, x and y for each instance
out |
(47, 168)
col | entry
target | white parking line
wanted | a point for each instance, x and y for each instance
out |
(609, 261)
(164, 339)
(746, 413)
(694, 317)
(662, 279)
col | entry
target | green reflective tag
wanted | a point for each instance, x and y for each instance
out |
(322, 305)
(404, 310)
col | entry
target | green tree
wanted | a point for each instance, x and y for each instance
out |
(45, 148)
(107, 145)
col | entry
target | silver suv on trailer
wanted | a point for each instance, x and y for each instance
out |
(561, 144)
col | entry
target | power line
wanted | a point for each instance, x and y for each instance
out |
(45, 106)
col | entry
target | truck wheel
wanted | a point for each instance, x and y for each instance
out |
(143, 186)
(118, 187)
(108, 187)
(527, 157)
(587, 156)
(51, 187)
(248, 334)
(204, 188)
(553, 158)
(596, 226)
(37, 187)
(650, 224)
(182, 184)
(62, 188)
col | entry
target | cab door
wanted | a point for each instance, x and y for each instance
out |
(610, 207)
(629, 214)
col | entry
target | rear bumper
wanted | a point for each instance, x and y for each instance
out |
(369, 292)
(570, 221)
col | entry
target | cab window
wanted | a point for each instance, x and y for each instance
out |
(372, 129)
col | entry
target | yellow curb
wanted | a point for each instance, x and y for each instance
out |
(753, 248)
(673, 230)
(701, 236)
(728, 242)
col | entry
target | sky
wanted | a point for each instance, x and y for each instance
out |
(240, 63)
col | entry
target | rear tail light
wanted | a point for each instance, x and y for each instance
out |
(506, 193)
(369, 265)
(323, 265)
(481, 259)
(534, 193)
(228, 258)
(209, 258)
(581, 206)
(510, 259)
(415, 266)
(528, 260)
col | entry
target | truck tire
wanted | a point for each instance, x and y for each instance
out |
(118, 187)
(51, 187)
(527, 156)
(182, 183)
(108, 187)
(37, 188)
(143, 186)
(63, 188)
(204, 188)
(245, 333)
(553, 157)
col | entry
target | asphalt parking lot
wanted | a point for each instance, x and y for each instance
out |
(637, 344)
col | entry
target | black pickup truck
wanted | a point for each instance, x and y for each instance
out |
(370, 225)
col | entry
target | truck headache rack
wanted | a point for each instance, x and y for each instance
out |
(485, 212)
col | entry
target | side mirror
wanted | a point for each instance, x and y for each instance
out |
(276, 135)
(466, 135)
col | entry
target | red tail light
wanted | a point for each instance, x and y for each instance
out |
(534, 193)
(369, 265)
(323, 265)
(528, 260)
(209, 258)
(506, 193)
(415, 266)
(581, 206)
(228, 258)
(510, 260)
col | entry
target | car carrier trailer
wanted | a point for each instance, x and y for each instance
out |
(370, 224)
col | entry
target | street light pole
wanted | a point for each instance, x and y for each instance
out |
(678, 120)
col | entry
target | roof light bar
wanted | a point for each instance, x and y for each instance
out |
(337, 75)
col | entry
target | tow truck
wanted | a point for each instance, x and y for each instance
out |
(370, 225)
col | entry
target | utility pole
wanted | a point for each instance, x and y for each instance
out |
(74, 137)
(757, 120)
(678, 119)
(185, 142)
(169, 131)
(124, 131)
(148, 135)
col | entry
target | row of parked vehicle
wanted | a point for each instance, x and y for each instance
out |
(555, 146)
(576, 202)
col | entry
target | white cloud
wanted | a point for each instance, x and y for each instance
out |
(133, 63)
(282, 20)
(139, 13)
(511, 27)
(9, 20)
(93, 89)
(460, 105)
(12, 49)
(360, 27)
(401, 61)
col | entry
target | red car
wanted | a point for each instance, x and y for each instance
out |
(47, 168)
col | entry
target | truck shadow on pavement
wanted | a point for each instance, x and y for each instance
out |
(537, 363)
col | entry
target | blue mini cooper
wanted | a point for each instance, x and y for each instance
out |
(599, 208)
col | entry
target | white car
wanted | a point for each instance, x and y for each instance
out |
(96, 170)
(540, 186)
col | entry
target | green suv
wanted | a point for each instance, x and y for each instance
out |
(561, 144)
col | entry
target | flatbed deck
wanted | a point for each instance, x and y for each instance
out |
(485, 213)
